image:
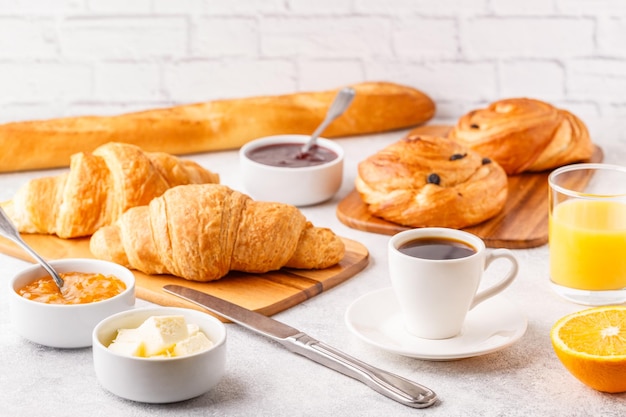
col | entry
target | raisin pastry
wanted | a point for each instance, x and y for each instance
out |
(424, 181)
(523, 134)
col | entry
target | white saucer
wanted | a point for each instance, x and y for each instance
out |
(490, 326)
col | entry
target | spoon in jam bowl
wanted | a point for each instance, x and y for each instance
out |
(340, 104)
(8, 230)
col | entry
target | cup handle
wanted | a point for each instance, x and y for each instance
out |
(504, 282)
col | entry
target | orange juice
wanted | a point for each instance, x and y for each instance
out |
(588, 245)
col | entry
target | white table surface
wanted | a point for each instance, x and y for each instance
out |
(264, 379)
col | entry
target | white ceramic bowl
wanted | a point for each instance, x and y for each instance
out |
(66, 326)
(159, 380)
(300, 186)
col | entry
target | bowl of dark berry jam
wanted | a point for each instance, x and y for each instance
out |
(274, 168)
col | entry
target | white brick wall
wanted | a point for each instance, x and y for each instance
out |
(68, 57)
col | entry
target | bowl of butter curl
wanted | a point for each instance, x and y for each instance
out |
(159, 354)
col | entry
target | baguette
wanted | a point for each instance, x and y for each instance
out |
(213, 125)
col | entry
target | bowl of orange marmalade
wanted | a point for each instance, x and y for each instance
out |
(92, 290)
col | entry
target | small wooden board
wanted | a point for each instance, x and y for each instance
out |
(523, 223)
(267, 293)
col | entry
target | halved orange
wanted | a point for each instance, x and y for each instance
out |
(591, 344)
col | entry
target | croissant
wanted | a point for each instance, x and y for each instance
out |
(98, 188)
(201, 232)
(424, 181)
(524, 134)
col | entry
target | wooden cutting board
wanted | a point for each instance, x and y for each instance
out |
(267, 293)
(523, 223)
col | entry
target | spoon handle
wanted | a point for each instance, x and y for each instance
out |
(8, 230)
(339, 105)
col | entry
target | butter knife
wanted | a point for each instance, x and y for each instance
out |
(393, 386)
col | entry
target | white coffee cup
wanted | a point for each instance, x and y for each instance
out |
(435, 295)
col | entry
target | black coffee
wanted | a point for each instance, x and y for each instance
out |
(437, 248)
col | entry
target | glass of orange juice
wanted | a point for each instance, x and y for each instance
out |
(587, 233)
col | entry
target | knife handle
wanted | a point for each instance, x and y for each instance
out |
(390, 385)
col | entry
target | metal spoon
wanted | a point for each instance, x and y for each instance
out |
(339, 105)
(8, 230)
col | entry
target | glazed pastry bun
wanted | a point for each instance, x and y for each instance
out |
(523, 134)
(424, 181)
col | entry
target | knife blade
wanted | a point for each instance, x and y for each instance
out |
(397, 388)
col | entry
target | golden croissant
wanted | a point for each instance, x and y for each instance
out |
(98, 188)
(424, 181)
(523, 134)
(201, 232)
